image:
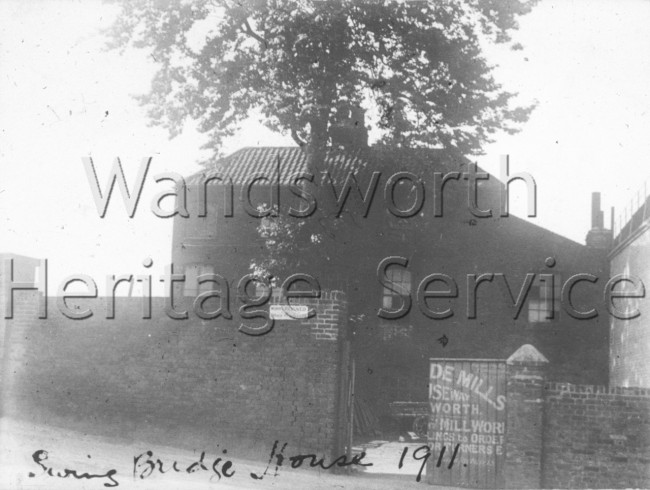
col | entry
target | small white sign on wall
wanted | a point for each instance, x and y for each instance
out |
(288, 312)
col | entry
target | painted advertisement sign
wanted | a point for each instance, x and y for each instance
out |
(467, 400)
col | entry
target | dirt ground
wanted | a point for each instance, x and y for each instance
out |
(97, 456)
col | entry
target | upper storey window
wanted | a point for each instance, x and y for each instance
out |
(544, 300)
(400, 280)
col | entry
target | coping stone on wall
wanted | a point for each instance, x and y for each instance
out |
(527, 354)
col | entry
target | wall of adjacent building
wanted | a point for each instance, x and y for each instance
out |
(630, 339)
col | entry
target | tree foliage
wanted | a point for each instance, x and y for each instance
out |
(306, 67)
(416, 67)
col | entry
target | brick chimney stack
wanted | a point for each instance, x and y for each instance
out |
(598, 237)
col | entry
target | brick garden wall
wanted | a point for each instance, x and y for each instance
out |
(561, 435)
(596, 437)
(204, 377)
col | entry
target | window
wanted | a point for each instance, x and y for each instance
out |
(192, 273)
(544, 300)
(399, 280)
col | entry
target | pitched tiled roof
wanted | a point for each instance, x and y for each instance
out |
(242, 164)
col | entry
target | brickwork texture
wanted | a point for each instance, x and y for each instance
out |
(198, 375)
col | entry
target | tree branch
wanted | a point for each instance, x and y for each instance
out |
(297, 139)
(249, 30)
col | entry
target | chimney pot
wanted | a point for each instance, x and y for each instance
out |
(598, 237)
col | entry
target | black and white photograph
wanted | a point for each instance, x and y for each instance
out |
(324, 244)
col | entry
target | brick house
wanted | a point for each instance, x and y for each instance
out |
(392, 355)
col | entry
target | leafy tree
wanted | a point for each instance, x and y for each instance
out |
(416, 66)
(307, 66)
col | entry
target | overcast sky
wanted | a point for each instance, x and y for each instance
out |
(63, 97)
